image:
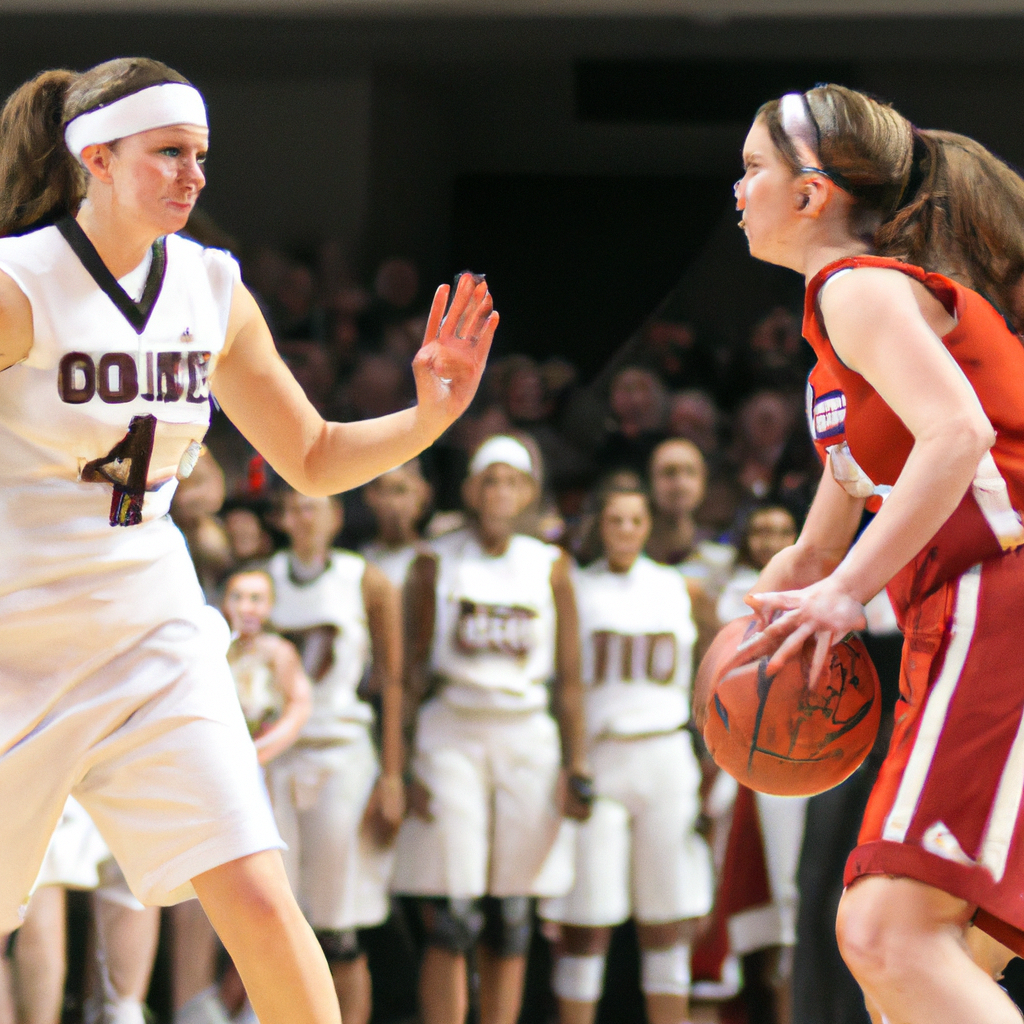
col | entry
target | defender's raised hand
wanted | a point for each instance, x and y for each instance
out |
(451, 360)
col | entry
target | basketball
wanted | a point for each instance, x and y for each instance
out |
(773, 734)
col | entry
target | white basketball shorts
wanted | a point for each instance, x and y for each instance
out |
(337, 871)
(496, 827)
(154, 747)
(638, 855)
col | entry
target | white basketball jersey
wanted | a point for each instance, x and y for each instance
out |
(94, 424)
(637, 635)
(393, 562)
(494, 627)
(326, 620)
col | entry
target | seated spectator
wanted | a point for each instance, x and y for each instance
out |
(678, 477)
(529, 406)
(311, 365)
(749, 473)
(398, 501)
(694, 416)
(194, 509)
(769, 529)
(675, 352)
(378, 385)
(638, 405)
(249, 537)
(775, 355)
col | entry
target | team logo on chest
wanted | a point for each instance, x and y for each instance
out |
(119, 377)
(494, 629)
(828, 415)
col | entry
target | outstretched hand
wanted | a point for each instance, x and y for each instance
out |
(788, 618)
(451, 360)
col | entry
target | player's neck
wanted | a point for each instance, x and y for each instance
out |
(308, 563)
(122, 246)
(494, 538)
(672, 535)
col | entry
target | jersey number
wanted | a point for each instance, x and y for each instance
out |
(624, 658)
(126, 466)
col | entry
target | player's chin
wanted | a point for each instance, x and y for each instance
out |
(175, 215)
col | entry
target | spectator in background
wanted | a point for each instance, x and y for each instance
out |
(674, 352)
(310, 363)
(379, 385)
(398, 501)
(694, 416)
(678, 477)
(768, 530)
(249, 537)
(396, 287)
(638, 406)
(775, 355)
(194, 509)
(529, 405)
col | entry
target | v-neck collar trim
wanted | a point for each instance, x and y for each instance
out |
(136, 313)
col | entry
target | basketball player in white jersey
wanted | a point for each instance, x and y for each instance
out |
(492, 621)
(337, 807)
(638, 854)
(124, 933)
(113, 680)
(398, 501)
(272, 686)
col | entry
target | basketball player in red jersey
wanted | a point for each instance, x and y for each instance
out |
(915, 407)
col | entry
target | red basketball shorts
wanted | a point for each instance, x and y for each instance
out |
(946, 808)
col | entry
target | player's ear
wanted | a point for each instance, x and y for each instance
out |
(97, 160)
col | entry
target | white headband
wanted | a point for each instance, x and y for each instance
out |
(504, 449)
(796, 122)
(155, 107)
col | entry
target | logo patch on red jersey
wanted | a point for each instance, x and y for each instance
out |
(828, 415)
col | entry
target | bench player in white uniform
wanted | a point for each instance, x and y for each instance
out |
(337, 807)
(113, 680)
(638, 854)
(124, 932)
(492, 621)
(398, 501)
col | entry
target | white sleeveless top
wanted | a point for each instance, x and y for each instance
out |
(326, 620)
(494, 626)
(393, 562)
(637, 635)
(74, 590)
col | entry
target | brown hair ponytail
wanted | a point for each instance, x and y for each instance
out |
(935, 199)
(40, 181)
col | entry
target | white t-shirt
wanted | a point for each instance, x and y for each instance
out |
(326, 620)
(494, 626)
(393, 562)
(76, 591)
(637, 635)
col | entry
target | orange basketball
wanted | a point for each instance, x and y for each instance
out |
(772, 733)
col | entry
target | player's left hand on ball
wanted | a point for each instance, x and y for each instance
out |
(386, 809)
(451, 360)
(788, 618)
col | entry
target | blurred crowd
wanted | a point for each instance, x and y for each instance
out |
(717, 441)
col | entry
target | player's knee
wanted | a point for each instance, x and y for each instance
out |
(508, 922)
(579, 979)
(864, 935)
(453, 925)
(340, 945)
(665, 972)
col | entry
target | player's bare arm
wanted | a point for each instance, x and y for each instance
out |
(384, 618)
(419, 600)
(15, 323)
(266, 403)
(568, 691)
(291, 680)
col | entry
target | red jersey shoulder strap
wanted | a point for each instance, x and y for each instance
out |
(945, 290)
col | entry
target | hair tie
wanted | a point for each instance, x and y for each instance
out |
(915, 179)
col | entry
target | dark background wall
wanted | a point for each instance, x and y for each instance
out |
(582, 162)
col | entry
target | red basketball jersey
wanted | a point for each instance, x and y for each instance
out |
(865, 444)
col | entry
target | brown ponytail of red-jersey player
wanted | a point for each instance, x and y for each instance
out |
(40, 181)
(935, 199)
